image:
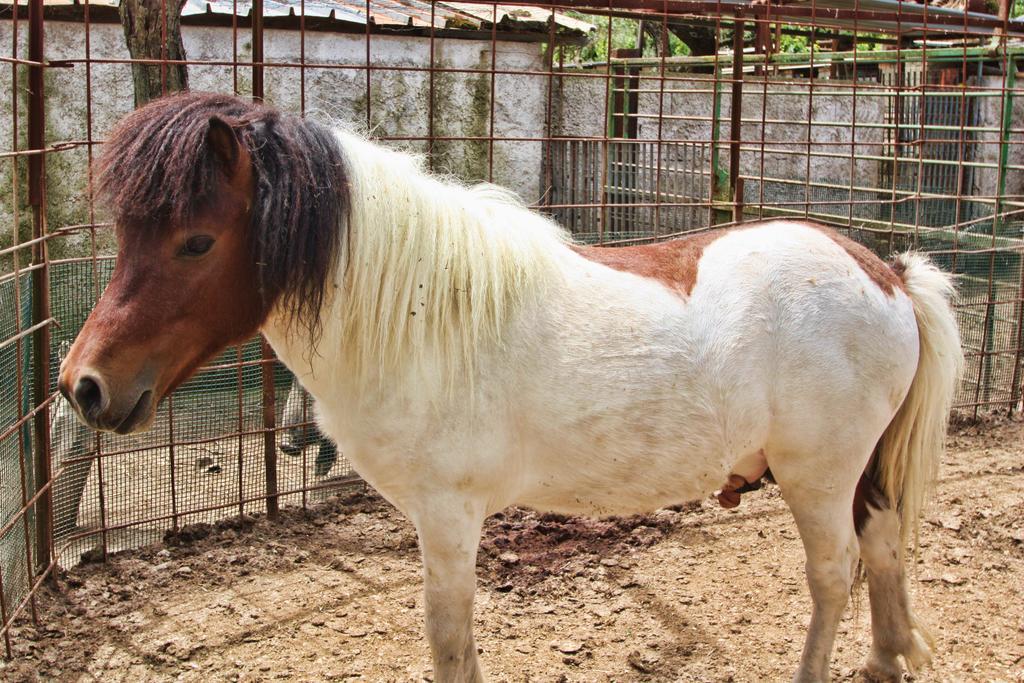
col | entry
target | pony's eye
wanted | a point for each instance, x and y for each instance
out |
(197, 245)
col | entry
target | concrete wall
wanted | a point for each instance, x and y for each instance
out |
(579, 108)
(830, 143)
(398, 104)
(781, 121)
(990, 113)
(686, 109)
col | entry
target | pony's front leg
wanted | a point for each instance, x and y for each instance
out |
(449, 537)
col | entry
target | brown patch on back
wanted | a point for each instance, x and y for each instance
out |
(673, 263)
(880, 272)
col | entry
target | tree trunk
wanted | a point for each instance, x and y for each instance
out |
(152, 30)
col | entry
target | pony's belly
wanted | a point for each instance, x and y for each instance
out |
(637, 497)
(601, 481)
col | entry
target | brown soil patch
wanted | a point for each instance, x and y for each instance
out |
(693, 594)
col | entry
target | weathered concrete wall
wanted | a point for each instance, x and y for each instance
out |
(990, 113)
(686, 109)
(580, 110)
(398, 103)
(781, 121)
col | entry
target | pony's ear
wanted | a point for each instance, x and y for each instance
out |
(222, 140)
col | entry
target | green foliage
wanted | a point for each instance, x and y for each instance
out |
(623, 35)
(801, 44)
(793, 44)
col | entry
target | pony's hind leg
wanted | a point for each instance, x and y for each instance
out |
(820, 499)
(449, 536)
(895, 630)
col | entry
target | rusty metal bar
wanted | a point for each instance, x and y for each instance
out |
(737, 195)
(171, 452)
(269, 438)
(256, 15)
(5, 610)
(369, 103)
(546, 154)
(266, 353)
(1016, 381)
(430, 91)
(492, 93)
(765, 46)
(663, 48)
(36, 327)
(40, 287)
(716, 112)
(811, 43)
(853, 121)
(736, 116)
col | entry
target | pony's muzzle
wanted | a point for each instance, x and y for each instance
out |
(89, 396)
(140, 417)
(101, 409)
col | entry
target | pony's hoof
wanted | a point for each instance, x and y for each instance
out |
(877, 671)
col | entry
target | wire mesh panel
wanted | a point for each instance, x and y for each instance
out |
(897, 123)
(203, 459)
(897, 127)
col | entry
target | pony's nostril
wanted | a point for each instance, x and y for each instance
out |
(63, 387)
(88, 395)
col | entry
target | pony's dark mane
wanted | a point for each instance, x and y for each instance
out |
(157, 169)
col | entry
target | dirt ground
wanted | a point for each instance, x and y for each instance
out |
(695, 594)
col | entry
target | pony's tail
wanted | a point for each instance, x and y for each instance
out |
(910, 450)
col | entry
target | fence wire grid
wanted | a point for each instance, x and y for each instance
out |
(630, 121)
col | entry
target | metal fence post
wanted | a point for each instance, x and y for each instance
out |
(266, 353)
(269, 428)
(40, 285)
(736, 121)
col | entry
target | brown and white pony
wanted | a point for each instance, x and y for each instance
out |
(468, 357)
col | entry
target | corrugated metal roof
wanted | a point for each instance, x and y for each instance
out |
(389, 13)
(887, 16)
(884, 16)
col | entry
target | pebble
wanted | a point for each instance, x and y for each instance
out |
(641, 662)
(568, 647)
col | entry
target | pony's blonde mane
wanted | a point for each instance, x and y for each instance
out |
(433, 270)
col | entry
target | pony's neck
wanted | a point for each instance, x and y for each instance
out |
(430, 275)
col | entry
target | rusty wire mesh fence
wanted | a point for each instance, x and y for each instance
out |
(898, 123)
